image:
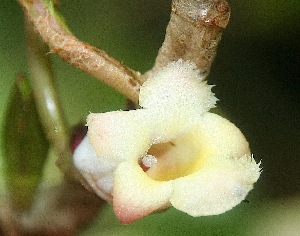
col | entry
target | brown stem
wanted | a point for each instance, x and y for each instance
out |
(193, 33)
(93, 61)
(7, 218)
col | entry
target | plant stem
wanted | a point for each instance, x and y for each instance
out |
(93, 61)
(193, 33)
(46, 98)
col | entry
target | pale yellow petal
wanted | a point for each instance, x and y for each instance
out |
(119, 135)
(225, 172)
(210, 192)
(135, 195)
(219, 137)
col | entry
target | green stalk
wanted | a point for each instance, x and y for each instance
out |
(47, 102)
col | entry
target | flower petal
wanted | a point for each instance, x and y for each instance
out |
(116, 136)
(177, 97)
(135, 195)
(224, 178)
(220, 137)
(210, 192)
(98, 175)
(178, 85)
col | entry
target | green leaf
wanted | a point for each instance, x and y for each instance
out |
(25, 146)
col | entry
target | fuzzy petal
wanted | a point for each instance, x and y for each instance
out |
(178, 86)
(177, 97)
(210, 192)
(213, 191)
(135, 195)
(224, 178)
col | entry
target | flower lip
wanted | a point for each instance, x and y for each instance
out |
(175, 159)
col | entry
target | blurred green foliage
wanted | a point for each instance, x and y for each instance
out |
(25, 147)
(257, 76)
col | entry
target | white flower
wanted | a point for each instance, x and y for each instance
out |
(171, 152)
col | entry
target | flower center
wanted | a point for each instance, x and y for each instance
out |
(149, 161)
(180, 157)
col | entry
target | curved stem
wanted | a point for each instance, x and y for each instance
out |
(46, 98)
(93, 61)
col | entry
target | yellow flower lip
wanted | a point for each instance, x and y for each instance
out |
(177, 158)
(196, 161)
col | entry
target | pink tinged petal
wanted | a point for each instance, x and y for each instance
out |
(135, 195)
(116, 136)
(98, 174)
